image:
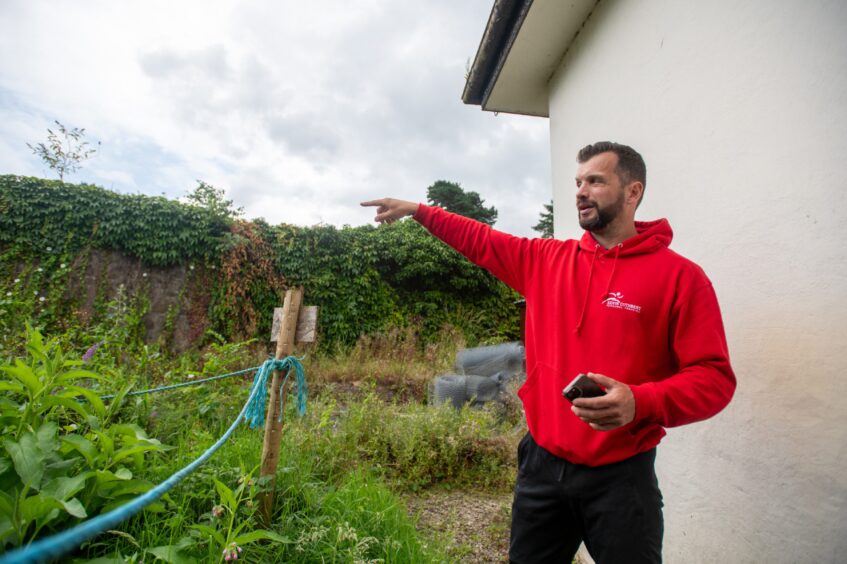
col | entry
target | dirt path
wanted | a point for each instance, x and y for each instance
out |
(474, 524)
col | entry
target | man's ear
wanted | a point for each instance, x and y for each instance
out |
(634, 191)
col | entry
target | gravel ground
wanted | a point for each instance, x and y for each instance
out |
(474, 524)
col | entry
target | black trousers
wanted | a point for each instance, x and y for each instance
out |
(615, 509)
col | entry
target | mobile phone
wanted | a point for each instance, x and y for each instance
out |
(582, 387)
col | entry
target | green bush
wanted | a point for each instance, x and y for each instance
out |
(62, 458)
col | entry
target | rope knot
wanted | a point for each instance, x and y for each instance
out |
(255, 415)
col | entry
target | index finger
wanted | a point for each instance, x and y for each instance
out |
(373, 202)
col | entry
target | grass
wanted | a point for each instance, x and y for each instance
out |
(343, 470)
(395, 360)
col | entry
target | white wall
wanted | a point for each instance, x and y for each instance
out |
(740, 110)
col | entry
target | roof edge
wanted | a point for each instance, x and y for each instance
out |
(502, 28)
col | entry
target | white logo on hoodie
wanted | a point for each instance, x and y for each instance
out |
(614, 301)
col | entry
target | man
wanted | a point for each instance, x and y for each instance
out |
(640, 320)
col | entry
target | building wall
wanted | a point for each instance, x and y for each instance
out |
(740, 109)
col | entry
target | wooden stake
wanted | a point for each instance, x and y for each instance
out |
(276, 403)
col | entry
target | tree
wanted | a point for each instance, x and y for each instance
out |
(453, 198)
(212, 198)
(64, 150)
(545, 221)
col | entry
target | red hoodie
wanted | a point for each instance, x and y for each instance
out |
(638, 313)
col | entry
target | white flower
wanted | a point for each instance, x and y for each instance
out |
(35, 292)
(40, 269)
(190, 376)
(8, 294)
(191, 266)
(62, 265)
(49, 249)
(41, 299)
(144, 275)
(17, 280)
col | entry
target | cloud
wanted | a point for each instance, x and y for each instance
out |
(298, 110)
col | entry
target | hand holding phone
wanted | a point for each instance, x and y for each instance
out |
(582, 387)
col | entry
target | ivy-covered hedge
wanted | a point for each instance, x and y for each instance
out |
(36, 214)
(365, 279)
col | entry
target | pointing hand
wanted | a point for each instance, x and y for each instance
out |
(389, 210)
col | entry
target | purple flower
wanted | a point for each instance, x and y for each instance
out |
(231, 552)
(90, 352)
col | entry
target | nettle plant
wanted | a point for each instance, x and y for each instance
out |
(62, 458)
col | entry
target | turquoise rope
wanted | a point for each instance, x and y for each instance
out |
(256, 410)
(61, 543)
(184, 384)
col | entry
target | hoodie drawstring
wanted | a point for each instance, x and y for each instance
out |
(588, 287)
(614, 265)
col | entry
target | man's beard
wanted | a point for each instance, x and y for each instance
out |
(603, 217)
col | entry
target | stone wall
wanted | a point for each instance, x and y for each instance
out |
(176, 290)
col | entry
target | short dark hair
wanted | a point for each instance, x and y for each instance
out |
(630, 167)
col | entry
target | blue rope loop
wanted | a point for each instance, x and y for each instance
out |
(255, 416)
(57, 545)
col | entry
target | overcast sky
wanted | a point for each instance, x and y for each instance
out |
(299, 110)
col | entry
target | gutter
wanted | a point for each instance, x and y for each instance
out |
(504, 23)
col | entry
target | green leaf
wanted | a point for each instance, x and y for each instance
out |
(210, 532)
(50, 402)
(109, 560)
(83, 446)
(57, 467)
(227, 497)
(261, 534)
(11, 387)
(65, 487)
(72, 375)
(107, 478)
(131, 487)
(155, 507)
(107, 444)
(28, 458)
(39, 508)
(75, 508)
(7, 528)
(46, 436)
(93, 398)
(115, 503)
(171, 554)
(123, 473)
(25, 375)
(127, 452)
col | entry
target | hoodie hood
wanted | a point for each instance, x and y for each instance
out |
(652, 236)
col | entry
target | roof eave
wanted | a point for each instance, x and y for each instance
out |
(502, 28)
(521, 49)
